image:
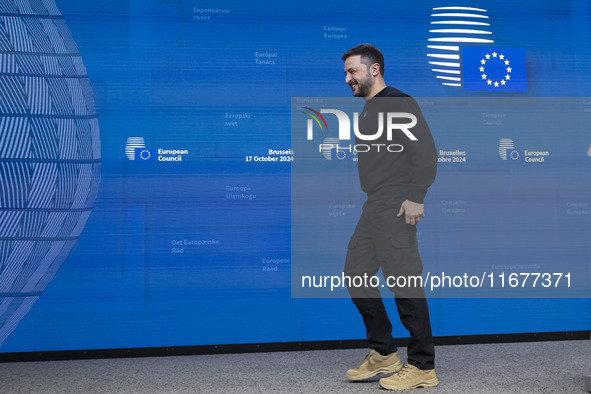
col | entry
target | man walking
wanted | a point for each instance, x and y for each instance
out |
(396, 182)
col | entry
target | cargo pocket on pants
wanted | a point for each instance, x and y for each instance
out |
(406, 267)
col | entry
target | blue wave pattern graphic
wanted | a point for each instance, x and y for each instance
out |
(49, 152)
(452, 28)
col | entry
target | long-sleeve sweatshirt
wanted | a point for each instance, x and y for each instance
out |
(395, 175)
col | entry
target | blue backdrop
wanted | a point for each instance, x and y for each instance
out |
(193, 246)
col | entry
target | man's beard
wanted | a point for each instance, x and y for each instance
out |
(364, 87)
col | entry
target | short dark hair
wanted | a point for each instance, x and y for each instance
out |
(369, 55)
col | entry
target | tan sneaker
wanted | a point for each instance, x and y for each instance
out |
(410, 377)
(374, 364)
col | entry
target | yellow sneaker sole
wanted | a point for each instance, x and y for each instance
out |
(389, 369)
(426, 383)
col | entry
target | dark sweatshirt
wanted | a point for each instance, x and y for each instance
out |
(389, 175)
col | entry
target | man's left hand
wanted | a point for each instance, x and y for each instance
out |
(413, 212)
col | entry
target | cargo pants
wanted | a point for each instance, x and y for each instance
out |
(383, 240)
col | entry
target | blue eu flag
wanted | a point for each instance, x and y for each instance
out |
(341, 154)
(494, 69)
(514, 155)
(143, 154)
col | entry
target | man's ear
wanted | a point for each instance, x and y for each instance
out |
(375, 69)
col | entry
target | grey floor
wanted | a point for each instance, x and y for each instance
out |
(541, 367)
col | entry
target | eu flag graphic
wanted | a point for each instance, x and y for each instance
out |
(340, 154)
(143, 154)
(514, 154)
(494, 69)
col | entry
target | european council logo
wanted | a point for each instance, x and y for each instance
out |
(507, 150)
(134, 143)
(331, 151)
(462, 52)
(494, 69)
